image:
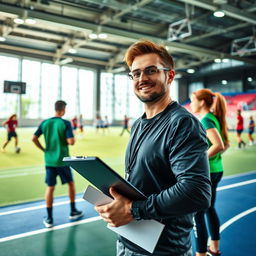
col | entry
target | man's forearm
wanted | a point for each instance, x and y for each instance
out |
(38, 144)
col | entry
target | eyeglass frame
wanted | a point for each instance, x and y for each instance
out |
(131, 77)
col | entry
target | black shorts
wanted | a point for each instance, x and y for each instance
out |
(52, 172)
(239, 131)
(251, 132)
(11, 134)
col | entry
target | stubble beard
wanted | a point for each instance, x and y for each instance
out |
(153, 97)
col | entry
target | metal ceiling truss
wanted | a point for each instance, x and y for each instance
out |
(104, 21)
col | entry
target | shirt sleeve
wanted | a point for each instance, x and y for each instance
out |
(69, 130)
(208, 123)
(189, 164)
(39, 131)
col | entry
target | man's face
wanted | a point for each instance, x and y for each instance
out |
(151, 88)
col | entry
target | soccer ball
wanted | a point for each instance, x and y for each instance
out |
(17, 150)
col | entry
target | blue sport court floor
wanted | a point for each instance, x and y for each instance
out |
(22, 231)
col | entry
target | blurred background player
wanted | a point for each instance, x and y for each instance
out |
(58, 135)
(106, 123)
(239, 128)
(81, 123)
(125, 125)
(251, 130)
(74, 123)
(11, 124)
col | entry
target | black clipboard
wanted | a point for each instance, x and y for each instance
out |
(103, 177)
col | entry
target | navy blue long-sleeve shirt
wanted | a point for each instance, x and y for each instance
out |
(167, 160)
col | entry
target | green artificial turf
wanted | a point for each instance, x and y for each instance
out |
(22, 175)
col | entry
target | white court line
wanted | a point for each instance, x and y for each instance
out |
(235, 218)
(236, 184)
(4, 176)
(37, 207)
(44, 230)
(80, 200)
(239, 175)
(225, 225)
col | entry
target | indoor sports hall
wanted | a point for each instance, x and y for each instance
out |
(73, 51)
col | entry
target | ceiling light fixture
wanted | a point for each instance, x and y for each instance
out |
(191, 71)
(30, 21)
(93, 36)
(217, 60)
(219, 13)
(102, 36)
(224, 82)
(18, 21)
(65, 61)
(72, 50)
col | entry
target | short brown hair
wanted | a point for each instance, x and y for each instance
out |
(146, 47)
(60, 105)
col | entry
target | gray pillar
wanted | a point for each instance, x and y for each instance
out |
(19, 98)
(183, 89)
(97, 91)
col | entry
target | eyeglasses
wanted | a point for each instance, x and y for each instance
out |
(148, 71)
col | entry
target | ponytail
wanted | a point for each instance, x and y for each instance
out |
(220, 111)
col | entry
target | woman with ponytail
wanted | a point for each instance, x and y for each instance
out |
(212, 109)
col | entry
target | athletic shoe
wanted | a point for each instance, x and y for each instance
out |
(17, 150)
(218, 253)
(75, 215)
(48, 222)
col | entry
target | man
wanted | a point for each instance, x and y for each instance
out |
(58, 135)
(166, 159)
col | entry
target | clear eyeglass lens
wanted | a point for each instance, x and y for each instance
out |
(147, 71)
(150, 70)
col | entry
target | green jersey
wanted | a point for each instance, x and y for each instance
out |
(56, 131)
(210, 121)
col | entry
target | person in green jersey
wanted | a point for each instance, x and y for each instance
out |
(212, 108)
(58, 134)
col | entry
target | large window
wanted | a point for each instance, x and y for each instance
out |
(136, 106)
(117, 97)
(9, 70)
(122, 104)
(107, 96)
(45, 84)
(70, 90)
(31, 75)
(86, 93)
(50, 89)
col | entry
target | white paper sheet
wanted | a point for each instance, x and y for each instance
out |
(144, 233)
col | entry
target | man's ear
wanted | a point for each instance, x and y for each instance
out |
(171, 75)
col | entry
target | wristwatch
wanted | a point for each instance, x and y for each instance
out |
(135, 213)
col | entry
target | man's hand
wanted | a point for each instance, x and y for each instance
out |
(118, 212)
